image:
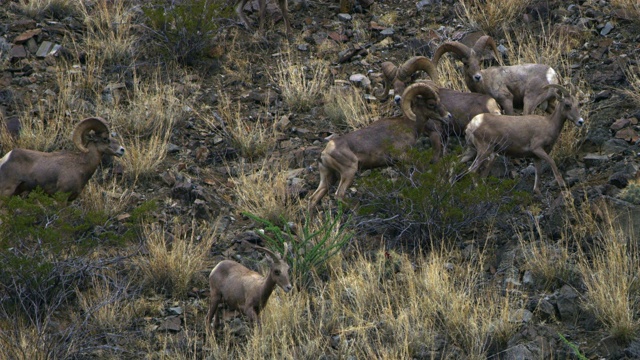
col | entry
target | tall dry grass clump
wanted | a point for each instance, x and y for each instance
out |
(552, 263)
(109, 30)
(253, 138)
(175, 258)
(610, 275)
(633, 77)
(491, 16)
(346, 107)
(302, 85)
(632, 7)
(267, 191)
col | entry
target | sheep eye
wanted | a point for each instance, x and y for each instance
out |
(277, 272)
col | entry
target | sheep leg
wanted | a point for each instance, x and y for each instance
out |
(507, 105)
(436, 142)
(540, 153)
(214, 301)
(284, 8)
(537, 163)
(263, 14)
(253, 316)
(242, 16)
(346, 179)
(327, 179)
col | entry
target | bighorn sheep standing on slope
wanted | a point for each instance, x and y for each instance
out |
(463, 106)
(516, 85)
(282, 4)
(244, 289)
(523, 136)
(377, 144)
(23, 170)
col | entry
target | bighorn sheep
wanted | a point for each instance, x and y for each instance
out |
(517, 85)
(463, 106)
(523, 136)
(282, 4)
(243, 289)
(379, 143)
(23, 170)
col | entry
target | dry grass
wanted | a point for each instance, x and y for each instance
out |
(632, 7)
(175, 259)
(633, 77)
(105, 305)
(265, 191)
(450, 74)
(112, 197)
(109, 30)
(610, 275)
(252, 137)
(346, 107)
(491, 16)
(302, 85)
(55, 8)
(386, 308)
(551, 263)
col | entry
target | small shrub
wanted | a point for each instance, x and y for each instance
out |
(421, 200)
(185, 29)
(311, 248)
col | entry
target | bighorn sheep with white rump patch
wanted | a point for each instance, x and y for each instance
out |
(512, 86)
(463, 106)
(380, 143)
(523, 136)
(23, 170)
(243, 289)
(282, 4)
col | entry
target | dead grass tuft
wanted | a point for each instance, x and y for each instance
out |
(266, 191)
(611, 278)
(302, 85)
(175, 258)
(346, 107)
(491, 16)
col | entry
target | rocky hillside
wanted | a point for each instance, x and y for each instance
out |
(220, 123)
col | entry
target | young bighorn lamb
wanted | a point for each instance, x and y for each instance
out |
(523, 136)
(243, 289)
(282, 4)
(512, 86)
(379, 143)
(23, 170)
(463, 106)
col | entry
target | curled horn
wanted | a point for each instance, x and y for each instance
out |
(97, 124)
(485, 41)
(411, 92)
(389, 72)
(414, 64)
(275, 257)
(455, 47)
(560, 88)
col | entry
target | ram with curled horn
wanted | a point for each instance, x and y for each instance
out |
(22, 170)
(380, 143)
(463, 106)
(516, 86)
(523, 136)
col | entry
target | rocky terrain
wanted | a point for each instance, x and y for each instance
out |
(198, 179)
